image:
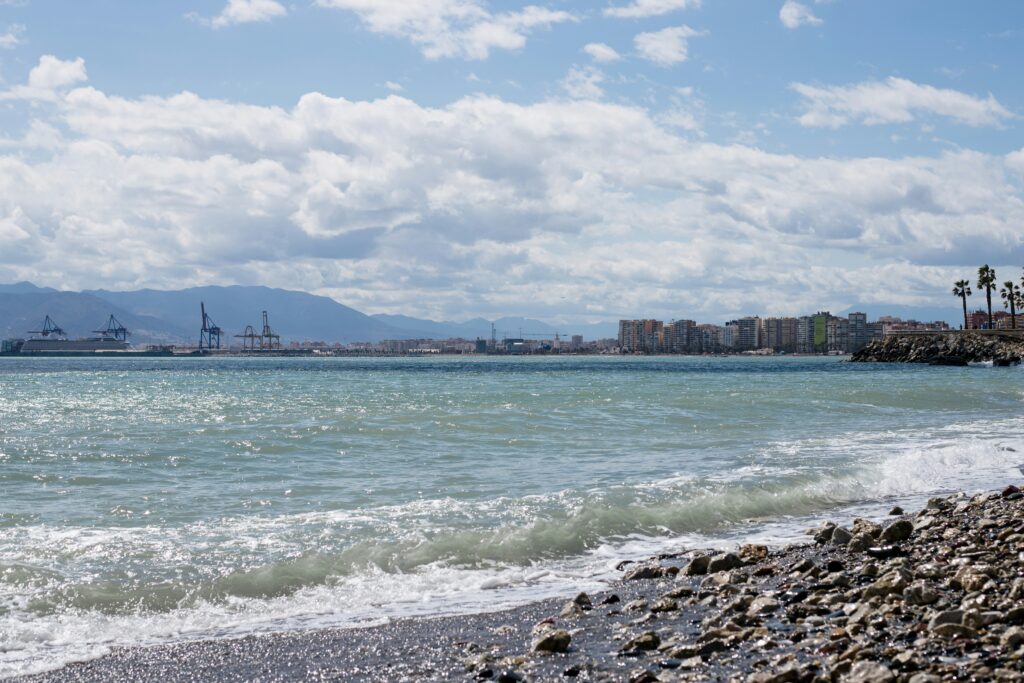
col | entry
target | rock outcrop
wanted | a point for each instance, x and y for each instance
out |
(951, 348)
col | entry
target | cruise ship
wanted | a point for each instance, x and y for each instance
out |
(51, 339)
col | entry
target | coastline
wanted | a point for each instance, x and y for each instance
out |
(933, 595)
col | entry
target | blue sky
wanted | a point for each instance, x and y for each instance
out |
(575, 161)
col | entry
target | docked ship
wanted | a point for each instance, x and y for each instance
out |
(51, 340)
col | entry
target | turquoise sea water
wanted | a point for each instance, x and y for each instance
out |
(164, 499)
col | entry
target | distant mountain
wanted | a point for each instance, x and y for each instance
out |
(24, 288)
(296, 316)
(173, 316)
(78, 314)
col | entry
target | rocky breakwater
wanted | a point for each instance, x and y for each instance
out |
(954, 348)
(934, 596)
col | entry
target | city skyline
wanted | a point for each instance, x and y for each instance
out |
(572, 161)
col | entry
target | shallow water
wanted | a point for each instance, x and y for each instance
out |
(153, 500)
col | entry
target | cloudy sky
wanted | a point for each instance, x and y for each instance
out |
(574, 161)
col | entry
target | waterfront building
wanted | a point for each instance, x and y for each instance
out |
(729, 335)
(641, 336)
(779, 334)
(837, 332)
(860, 332)
(683, 336)
(748, 334)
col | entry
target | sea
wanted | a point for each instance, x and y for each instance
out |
(167, 499)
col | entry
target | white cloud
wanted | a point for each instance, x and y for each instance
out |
(586, 208)
(248, 11)
(794, 15)
(13, 37)
(451, 28)
(600, 52)
(666, 47)
(895, 100)
(649, 8)
(48, 77)
(393, 87)
(584, 83)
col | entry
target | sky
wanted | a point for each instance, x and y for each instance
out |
(571, 161)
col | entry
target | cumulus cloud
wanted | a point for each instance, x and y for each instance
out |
(794, 15)
(577, 208)
(48, 78)
(649, 8)
(248, 11)
(666, 47)
(600, 52)
(895, 100)
(584, 83)
(12, 38)
(451, 28)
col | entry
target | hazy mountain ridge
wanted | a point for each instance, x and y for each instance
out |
(173, 316)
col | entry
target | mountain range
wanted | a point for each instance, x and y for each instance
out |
(174, 317)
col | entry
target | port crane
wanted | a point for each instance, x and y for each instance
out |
(209, 335)
(114, 330)
(268, 339)
(50, 328)
(265, 340)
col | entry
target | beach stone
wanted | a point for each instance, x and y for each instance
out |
(557, 640)
(1009, 491)
(860, 542)
(920, 593)
(571, 610)
(866, 526)
(867, 671)
(698, 566)
(644, 571)
(897, 510)
(644, 677)
(509, 676)
(954, 631)
(665, 605)
(937, 503)
(893, 582)
(611, 599)
(824, 534)
(724, 563)
(1012, 638)
(923, 677)
(648, 640)
(753, 552)
(954, 616)
(897, 531)
(841, 536)
(583, 600)
(761, 605)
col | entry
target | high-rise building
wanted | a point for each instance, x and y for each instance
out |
(837, 333)
(682, 334)
(860, 332)
(748, 334)
(641, 336)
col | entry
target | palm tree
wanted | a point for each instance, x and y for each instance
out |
(962, 289)
(987, 281)
(1011, 297)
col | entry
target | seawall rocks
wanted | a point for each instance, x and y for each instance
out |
(953, 348)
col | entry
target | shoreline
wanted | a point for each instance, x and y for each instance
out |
(934, 595)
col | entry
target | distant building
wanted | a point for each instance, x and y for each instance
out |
(779, 334)
(683, 336)
(860, 332)
(577, 342)
(641, 336)
(837, 335)
(748, 334)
